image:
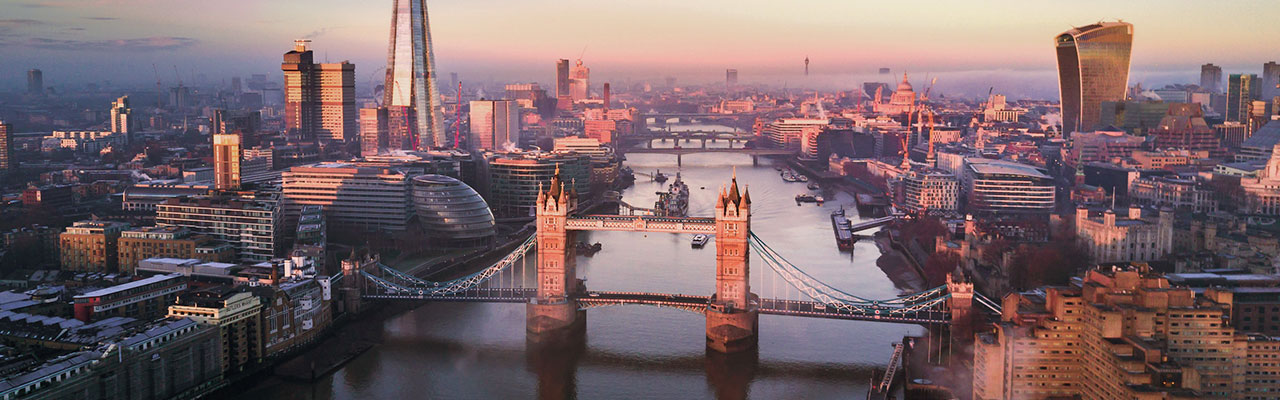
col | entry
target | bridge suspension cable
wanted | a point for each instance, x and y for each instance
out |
(821, 292)
(405, 283)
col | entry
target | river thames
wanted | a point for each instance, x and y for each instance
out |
(479, 351)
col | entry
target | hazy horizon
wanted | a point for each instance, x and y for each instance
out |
(77, 42)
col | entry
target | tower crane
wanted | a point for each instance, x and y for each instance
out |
(159, 90)
(457, 119)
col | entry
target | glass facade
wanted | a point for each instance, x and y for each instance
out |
(452, 212)
(1093, 67)
(514, 180)
(412, 94)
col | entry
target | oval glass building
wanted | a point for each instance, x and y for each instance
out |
(452, 213)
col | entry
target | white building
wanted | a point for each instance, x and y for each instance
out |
(1262, 194)
(789, 132)
(1133, 238)
(1007, 187)
(921, 191)
(353, 196)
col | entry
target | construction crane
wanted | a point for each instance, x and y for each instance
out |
(159, 89)
(457, 119)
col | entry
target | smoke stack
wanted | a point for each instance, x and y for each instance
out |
(606, 96)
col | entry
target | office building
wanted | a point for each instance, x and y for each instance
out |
(373, 132)
(579, 82)
(296, 311)
(352, 196)
(1093, 67)
(1242, 90)
(495, 125)
(730, 77)
(452, 213)
(1122, 333)
(319, 98)
(1111, 239)
(789, 132)
(121, 360)
(50, 198)
(144, 299)
(1132, 117)
(236, 313)
(1270, 79)
(251, 226)
(226, 162)
(1184, 128)
(415, 111)
(1180, 193)
(140, 244)
(120, 116)
(514, 179)
(90, 246)
(564, 100)
(1101, 146)
(7, 162)
(999, 187)
(925, 191)
(1211, 78)
(35, 82)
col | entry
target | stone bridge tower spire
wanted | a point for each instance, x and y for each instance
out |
(732, 316)
(553, 309)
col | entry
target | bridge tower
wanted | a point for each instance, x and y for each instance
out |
(732, 315)
(961, 307)
(553, 309)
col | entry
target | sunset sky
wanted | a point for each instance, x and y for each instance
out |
(77, 41)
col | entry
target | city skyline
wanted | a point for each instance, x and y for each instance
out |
(478, 41)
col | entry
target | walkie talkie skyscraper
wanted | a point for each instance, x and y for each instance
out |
(415, 111)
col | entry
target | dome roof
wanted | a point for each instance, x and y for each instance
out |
(449, 209)
(905, 86)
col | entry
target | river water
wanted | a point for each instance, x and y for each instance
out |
(479, 351)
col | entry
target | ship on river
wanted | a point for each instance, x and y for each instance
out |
(843, 229)
(675, 201)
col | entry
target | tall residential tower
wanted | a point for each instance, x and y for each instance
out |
(320, 100)
(415, 111)
(1211, 78)
(1093, 67)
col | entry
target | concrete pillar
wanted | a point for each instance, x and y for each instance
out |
(732, 317)
(679, 159)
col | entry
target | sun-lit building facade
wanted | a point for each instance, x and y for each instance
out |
(415, 111)
(1093, 67)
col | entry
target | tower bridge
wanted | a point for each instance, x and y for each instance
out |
(556, 299)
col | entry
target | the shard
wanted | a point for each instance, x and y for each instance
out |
(415, 113)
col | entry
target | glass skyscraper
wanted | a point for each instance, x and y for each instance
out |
(1093, 67)
(415, 113)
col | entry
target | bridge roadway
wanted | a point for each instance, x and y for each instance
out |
(875, 223)
(695, 150)
(646, 223)
(694, 303)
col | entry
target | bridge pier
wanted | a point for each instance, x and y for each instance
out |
(732, 331)
(555, 321)
(755, 161)
(679, 160)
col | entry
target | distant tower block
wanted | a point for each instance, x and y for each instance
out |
(732, 317)
(884, 71)
(730, 77)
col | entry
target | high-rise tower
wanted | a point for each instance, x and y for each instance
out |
(320, 101)
(120, 112)
(226, 162)
(415, 111)
(563, 100)
(35, 82)
(1093, 67)
(1270, 79)
(1211, 77)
